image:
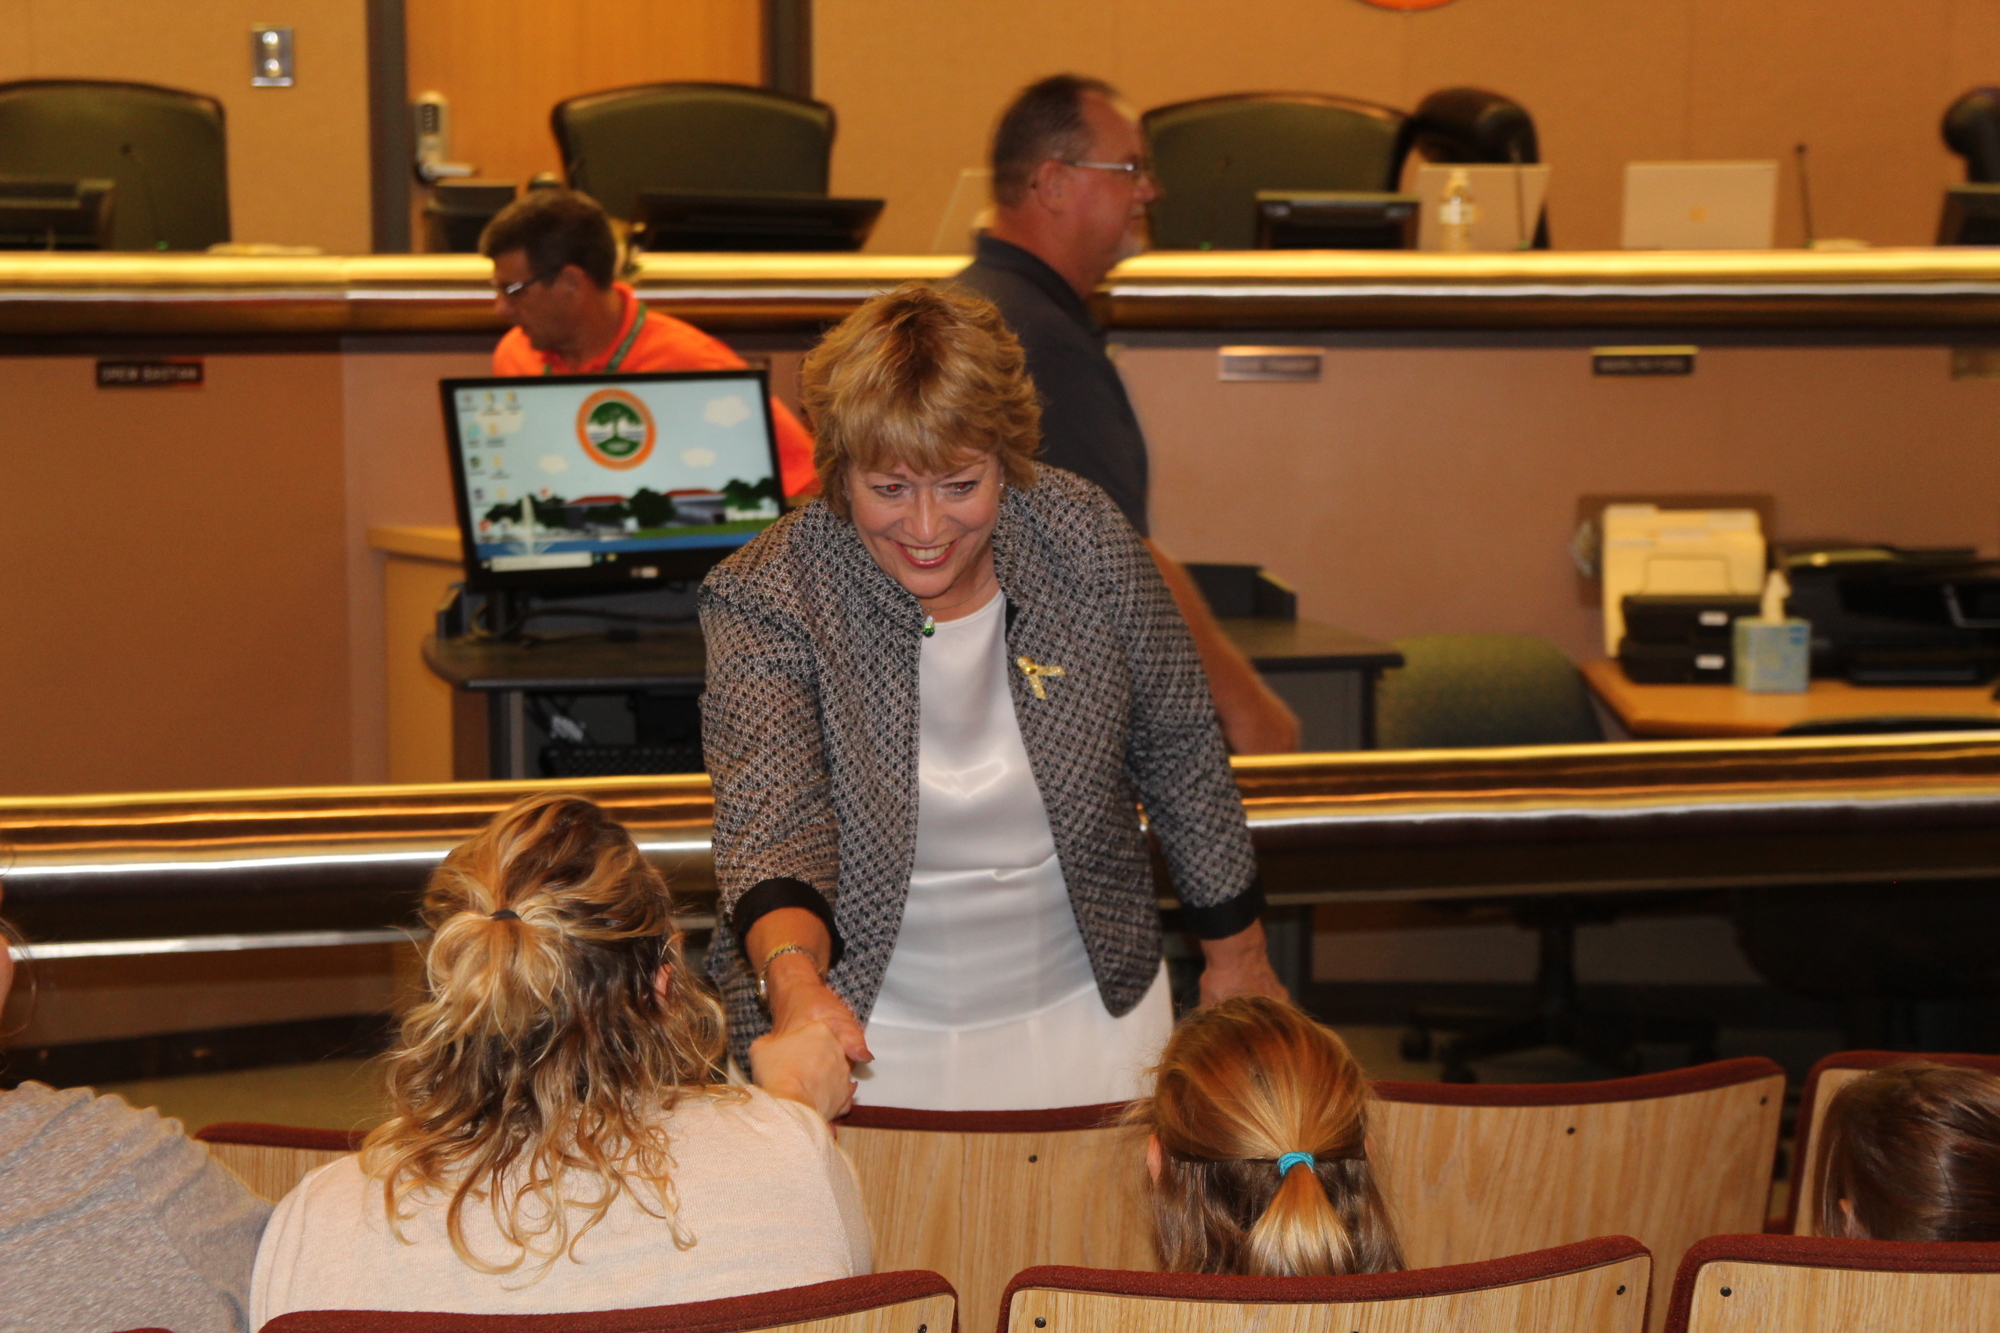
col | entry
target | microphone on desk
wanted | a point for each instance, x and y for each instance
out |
(1522, 240)
(1805, 195)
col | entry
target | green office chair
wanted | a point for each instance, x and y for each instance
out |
(1212, 156)
(722, 137)
(165, 148)
(1515, 689)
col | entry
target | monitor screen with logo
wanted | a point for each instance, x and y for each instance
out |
(594, 483)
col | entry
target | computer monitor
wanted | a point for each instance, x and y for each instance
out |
(1971, 215)
(709, 221)
(1335, 220)
(599, 483)
(39, 214)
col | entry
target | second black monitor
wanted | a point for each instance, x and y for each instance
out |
(706, 221)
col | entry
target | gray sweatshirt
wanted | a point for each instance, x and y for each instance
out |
(112, 1218)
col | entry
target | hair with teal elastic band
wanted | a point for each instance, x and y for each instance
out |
(1292, 1159)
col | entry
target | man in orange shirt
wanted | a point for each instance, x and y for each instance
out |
(555, 266)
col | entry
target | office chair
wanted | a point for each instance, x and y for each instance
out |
(166, 149)
(1473, 126)
(1903, 960)
(1972, 130)
(721, 137)
(1213, 155)
(1460, 690)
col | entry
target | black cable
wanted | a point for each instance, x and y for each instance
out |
(146, 185)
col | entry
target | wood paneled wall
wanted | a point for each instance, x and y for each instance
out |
(917, 84)
(505, 63)
(298, 156)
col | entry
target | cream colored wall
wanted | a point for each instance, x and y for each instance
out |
(298, 156)
(1434, 490)
(917, 84)
(173, 578)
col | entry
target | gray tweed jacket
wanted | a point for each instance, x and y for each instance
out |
(809, 724)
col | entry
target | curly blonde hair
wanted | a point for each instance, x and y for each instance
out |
(1240, 1085)
(923, 377)
(536, 1075)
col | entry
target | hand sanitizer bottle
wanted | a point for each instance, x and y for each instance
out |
(1457, 213)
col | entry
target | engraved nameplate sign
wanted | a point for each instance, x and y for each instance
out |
(1299, 365)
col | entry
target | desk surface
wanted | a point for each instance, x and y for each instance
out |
(1724, 710)
(673, 658)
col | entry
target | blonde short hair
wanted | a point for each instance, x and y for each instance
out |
(927, 378)
(534, 1078)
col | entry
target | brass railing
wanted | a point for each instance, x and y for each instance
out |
(96, 295)
(284, 865)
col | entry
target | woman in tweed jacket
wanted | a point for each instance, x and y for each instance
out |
(936, 698)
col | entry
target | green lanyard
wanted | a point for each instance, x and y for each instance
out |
(617, 357)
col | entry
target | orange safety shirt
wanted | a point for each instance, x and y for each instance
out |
(664, 343)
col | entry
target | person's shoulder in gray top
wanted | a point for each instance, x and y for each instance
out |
(113, 1218)
(1088, 425)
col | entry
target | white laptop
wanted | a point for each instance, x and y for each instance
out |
(1506, 202)
(1700, 205)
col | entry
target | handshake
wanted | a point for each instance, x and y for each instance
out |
(805, 1063)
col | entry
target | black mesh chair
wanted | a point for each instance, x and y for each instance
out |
(1473, 126)
(687, 137)
(1459, 690)
(1212, 156)
(165, 149)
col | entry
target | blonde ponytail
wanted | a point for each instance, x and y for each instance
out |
(536, 1074)
(1244, 1090)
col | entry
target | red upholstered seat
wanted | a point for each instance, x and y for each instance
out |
(1475, 1171)
(1599, 1284)
(1829, 1076)
(981, 1195)
(911, 1302)
(1813, 1284)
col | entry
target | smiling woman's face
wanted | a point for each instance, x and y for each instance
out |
(932, 533)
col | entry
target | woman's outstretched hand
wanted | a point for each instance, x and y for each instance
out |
(1239, 965)
(804, 1064)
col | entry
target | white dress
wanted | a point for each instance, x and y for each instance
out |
(989, 1003)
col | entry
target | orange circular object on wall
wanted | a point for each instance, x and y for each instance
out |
(1406, 4)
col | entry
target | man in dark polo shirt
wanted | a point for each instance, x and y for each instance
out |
(1070, 190)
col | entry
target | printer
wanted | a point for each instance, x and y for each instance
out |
(1888, 615)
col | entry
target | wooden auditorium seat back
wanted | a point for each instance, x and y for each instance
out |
(1596, 1286)
(1475, 1172)
(980, 1195)
(1812, 1284)
(1829, 1076)
(875, 1303)
(271, 1159)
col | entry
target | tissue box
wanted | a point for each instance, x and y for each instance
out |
(1773, 656)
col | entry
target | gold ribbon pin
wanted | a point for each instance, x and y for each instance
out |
(1034, 671)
